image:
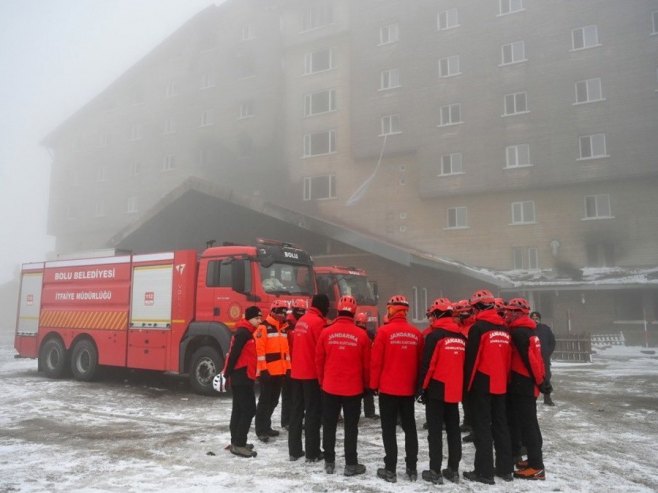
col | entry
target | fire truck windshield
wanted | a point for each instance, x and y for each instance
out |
(358, 287)
(280, 278)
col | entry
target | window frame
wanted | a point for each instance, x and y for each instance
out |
(458, 224)
(516, 148)
(393, 27)
(309, 63)
(449, 65)
(392, 77)
(529, 259)
(450, 109)
(168, 163)
(316, 17)
(393, 124)
(511, 9)
(446, 14)
(595, 200)
(307, 143)
(591, 146)
(514, 96)
(583, 31)
(307, 193)
(515, 57)
(308, 102)
(586, 83)
(207, 118)
(246, 109)
(455, 160)
(131, 205)
(169, 126)
(520, 206)
(654, 22)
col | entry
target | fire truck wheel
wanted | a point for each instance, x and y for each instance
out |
(84, 360)
(205, 365)
(53, 358)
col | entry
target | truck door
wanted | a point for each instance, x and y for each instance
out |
(228, 285)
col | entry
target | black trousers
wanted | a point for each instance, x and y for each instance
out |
(524, 417)
(286, 401)
(489, 421)
(306, 408)
(467, 410)
(270, 391)
(390, 406)
(368, 403)
(331, 407)
(438, 412)
(242, 412)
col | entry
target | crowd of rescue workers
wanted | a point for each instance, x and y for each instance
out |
(482, 352)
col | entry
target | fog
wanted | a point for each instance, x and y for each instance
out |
(55, 56)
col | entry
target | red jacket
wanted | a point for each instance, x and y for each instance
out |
(442, 370)
(488, 354)
(396, 355)
(305, 337)
(528, 369)
(342, 358)
(240, 366)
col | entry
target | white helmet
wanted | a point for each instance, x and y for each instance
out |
(219, 382)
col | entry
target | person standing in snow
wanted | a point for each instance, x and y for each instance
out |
(526, 381)
(442, 381)
(240, 370)
(361, 320)
(297, 309)
(487, 366)
(394, 367)
(547, 340)
(342, 360)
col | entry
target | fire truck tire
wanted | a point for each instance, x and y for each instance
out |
(84, 360)
(53, 358)
(205, 365)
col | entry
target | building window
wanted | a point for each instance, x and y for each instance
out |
(319, 187)
(247, 32)
(101, 173)
(136, 132)
(318, 61)
(516, 103)
(600, 254)
(509, 6)
(597, 207)
(170, 126)
(584, 37)
(320, 143)
(457, 218)
(517, 156)
(451, 164)
(246, 109)
(136, 168)
(131, 205)
(447, 19)
(450, 114)
(389, 79)
(592, 146)
(103, 139)
(449, 66)
(588, 91)
(525, 258)
(172, 89)
(319, 102)
(513, 53)
(654, 22)
(206, 118)
(523, 212)
(418, 304)
(390, 124)
(317, 16)
(168, 162)
(207, 81)
(389, 34)
(99, 208)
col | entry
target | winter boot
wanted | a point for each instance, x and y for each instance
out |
(474, 476)
(548, 401)
(354, 469)
(451, 475)
(387, 475)
(412, 474)
(432, 476)
(505, 476)
(329, 467)
(317, 458)
(242, 451)
(530, 473)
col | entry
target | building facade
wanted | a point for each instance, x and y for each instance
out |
(513, 136)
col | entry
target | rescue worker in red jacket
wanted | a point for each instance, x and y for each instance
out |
(240, 370)
(343, 361)
(464, 317)
(442, 380)
(526, 381)
(297, 309)
(361, 320)
(487, 366)
(306, 406)
(273, 363)
(394, 367)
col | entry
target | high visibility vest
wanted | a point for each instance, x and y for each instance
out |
(272, 350)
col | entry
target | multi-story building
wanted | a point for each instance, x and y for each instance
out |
(515, 137)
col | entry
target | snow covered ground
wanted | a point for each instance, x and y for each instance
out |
(145, 432)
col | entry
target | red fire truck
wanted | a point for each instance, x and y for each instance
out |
(170, 311)
(336, 281)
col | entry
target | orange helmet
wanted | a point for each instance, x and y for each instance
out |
(361, 319)
(347, 304)
(482, 296)
(441, 305)
(519, 304)
(398, 300)
(279, 306)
